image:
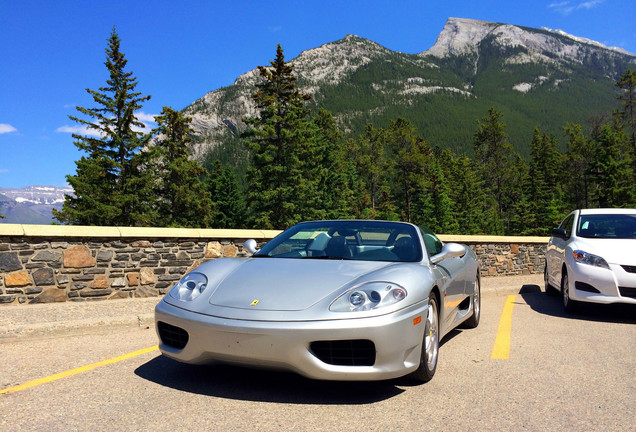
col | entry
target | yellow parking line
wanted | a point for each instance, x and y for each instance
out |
(501, 350)
(75, 371)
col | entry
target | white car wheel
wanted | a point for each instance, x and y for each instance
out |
(569, 305)
(549, 289)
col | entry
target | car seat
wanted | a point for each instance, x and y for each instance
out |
(337, 247)
(404, 248)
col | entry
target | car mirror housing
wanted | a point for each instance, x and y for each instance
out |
(559, 232)
(449, 250)
(251, 246)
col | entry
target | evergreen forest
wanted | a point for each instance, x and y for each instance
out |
(294, 163)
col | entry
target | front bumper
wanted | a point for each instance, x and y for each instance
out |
(599, 285)
(287, 345)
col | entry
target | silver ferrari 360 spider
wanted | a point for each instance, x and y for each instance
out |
(331, 300)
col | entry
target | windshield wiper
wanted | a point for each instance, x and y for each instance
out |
(328, 257)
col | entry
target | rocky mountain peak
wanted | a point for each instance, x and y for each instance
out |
(330, 62)
(462, 36)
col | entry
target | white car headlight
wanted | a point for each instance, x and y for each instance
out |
(189, 287)
(369, 296)
(589, 259)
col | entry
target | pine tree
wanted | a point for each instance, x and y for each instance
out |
(109, 187)
(368, 152)
(334, 168)
(611, 167)
(227, 198)
(407, 163)
(470, 205)
(627, 97)
(544, 189)
(386, 208)
(440, 219)
(283, 176)
(361, 200)
(579, 154)
(497, 163)
(181, 198)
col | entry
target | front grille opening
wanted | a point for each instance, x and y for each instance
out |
(582, 286)
(358, 352)
(172, 336)
(627, 292)
(629, 269)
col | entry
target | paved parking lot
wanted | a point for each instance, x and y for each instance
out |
(562, 373)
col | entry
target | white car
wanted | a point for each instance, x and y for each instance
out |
(591, 257)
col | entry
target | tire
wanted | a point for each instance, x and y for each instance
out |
(473, 321)
(430, 345)
(549, 289)
(569, 305)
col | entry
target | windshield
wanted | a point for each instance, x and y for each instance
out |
(615, 226)
(352, 240)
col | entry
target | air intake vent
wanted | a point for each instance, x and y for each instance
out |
(357, 352)
(582, 286)
(627, 292)
(172, 336)
(629, 269)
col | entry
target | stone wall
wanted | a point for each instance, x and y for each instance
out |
(505, 256)
(507, 259)
(44, 264)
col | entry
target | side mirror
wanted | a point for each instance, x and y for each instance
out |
(251, 246)
(560, 233)
(449, 250)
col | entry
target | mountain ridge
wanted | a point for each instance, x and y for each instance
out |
(470, 32)
(31, 204)
(538, 77)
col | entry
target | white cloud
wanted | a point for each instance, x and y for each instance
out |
(589, 4)
(79, 130)
(567, 7)
(6, 128)
(147, 119)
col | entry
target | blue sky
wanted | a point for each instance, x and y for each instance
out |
(51, 51)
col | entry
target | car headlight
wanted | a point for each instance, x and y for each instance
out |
(189, 287)
(369, 296)
(589, 259)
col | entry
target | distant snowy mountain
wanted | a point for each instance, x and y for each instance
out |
(31, 204)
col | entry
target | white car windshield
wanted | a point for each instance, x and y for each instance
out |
(607, 226)
(347, 240)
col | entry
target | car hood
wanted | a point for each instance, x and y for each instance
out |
(286, 284)
(614, 251)
(286, 289)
